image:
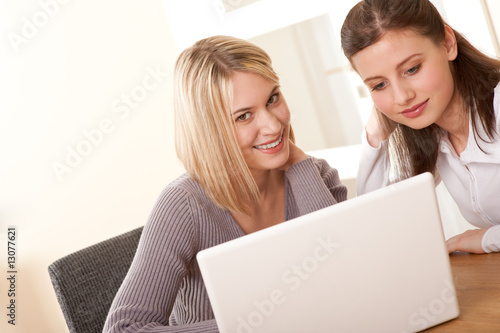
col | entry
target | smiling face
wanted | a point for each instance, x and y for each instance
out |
(262, 121)
(409, 77)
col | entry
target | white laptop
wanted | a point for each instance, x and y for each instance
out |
(374, 263)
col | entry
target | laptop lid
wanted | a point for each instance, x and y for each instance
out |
(374, 263)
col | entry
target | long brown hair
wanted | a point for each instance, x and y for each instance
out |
(475, 75)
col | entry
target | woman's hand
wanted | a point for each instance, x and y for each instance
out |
(469, 241)
(295, 155)
(375, 132)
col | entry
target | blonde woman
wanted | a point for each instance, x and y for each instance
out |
(244, 173)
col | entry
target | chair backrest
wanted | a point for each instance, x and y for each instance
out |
(86, 281)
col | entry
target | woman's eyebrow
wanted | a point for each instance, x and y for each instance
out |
(274, 90)
(249, 108)
(401, 64)
(242, 110)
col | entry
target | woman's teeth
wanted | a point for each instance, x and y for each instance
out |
(270, 145)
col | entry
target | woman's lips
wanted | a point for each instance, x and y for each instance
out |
(273, 146)
(415, 111)
(270, 144)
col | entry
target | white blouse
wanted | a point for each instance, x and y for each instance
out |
(472, 178)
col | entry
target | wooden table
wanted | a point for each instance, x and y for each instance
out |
(477, 282)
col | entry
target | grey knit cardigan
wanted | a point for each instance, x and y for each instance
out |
(163, 290)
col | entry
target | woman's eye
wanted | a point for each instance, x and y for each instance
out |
(379, 86)
(244, 116)
(273, 99)
(413, 70)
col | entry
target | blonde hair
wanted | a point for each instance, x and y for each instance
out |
(205, 137)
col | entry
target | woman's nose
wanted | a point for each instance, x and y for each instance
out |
(269, 123)
(403, 94)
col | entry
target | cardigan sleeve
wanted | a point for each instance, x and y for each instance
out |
(145, 300)
(374, 167)
(315, 185)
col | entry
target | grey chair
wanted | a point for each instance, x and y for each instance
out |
(86, 281)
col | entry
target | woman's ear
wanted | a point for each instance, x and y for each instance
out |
(450, 43)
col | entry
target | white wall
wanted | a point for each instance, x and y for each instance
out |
(302, 55)
(283, 49)
(494, 10)
(66, 77)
